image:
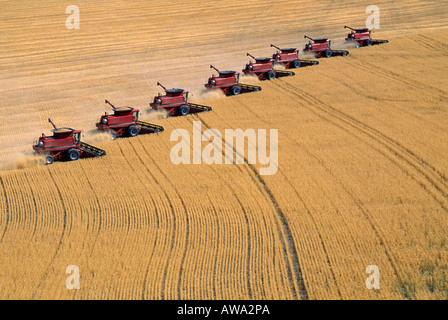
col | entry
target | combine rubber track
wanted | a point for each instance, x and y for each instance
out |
(249, 88)
(96, 152)
(198, 107)
(151, 127)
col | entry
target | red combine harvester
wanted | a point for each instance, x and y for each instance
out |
(65, 144)
(264, 70)
(176, 102)
(362, 37)
(322, 48)
(289, 57)
(228, 82)
(125, 121)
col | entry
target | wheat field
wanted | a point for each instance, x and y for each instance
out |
(362, 171)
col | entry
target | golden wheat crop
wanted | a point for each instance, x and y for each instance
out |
(362, 177)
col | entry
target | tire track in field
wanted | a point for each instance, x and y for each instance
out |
(172, 211)
(432, 44)
(363, 93)
(366, 214)
(248, 263)
(218, 236)
(358, 203)
(431, 176)
(282, 241)
(64, 227)
(7, 209)
(99, 211)
(391, 75)
(287, 240)
(249, 286)
(308, 211)
(145, 279)
(186, 215)
(35, 205)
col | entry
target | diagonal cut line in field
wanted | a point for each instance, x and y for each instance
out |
(299, 285)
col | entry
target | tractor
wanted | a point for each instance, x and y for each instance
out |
(175, 102)
(362, 37)
(65, 144)
(228, 82)
(289, 57)
(322, 48)
(124, 122)
(263, 68)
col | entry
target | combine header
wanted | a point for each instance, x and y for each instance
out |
(289, 57)
(228, 82)
(322, 48)
(125, 121)
(362, 37)
(264, 70)
(65, 144)
(176, 102)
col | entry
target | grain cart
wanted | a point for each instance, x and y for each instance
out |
(263, 68)
(228, 82)
(65, 144)
(124, 122)
(322, 48)
(175, 102)
(289, 57)
(362, 37)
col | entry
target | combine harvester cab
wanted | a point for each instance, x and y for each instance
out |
(362, 37)
(175, 102)
(322, 48)
(263, 68)
(124, 122)
(289, 57)
(228, 82)
(65, 144)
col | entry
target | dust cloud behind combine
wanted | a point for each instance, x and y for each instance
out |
(362, 176)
